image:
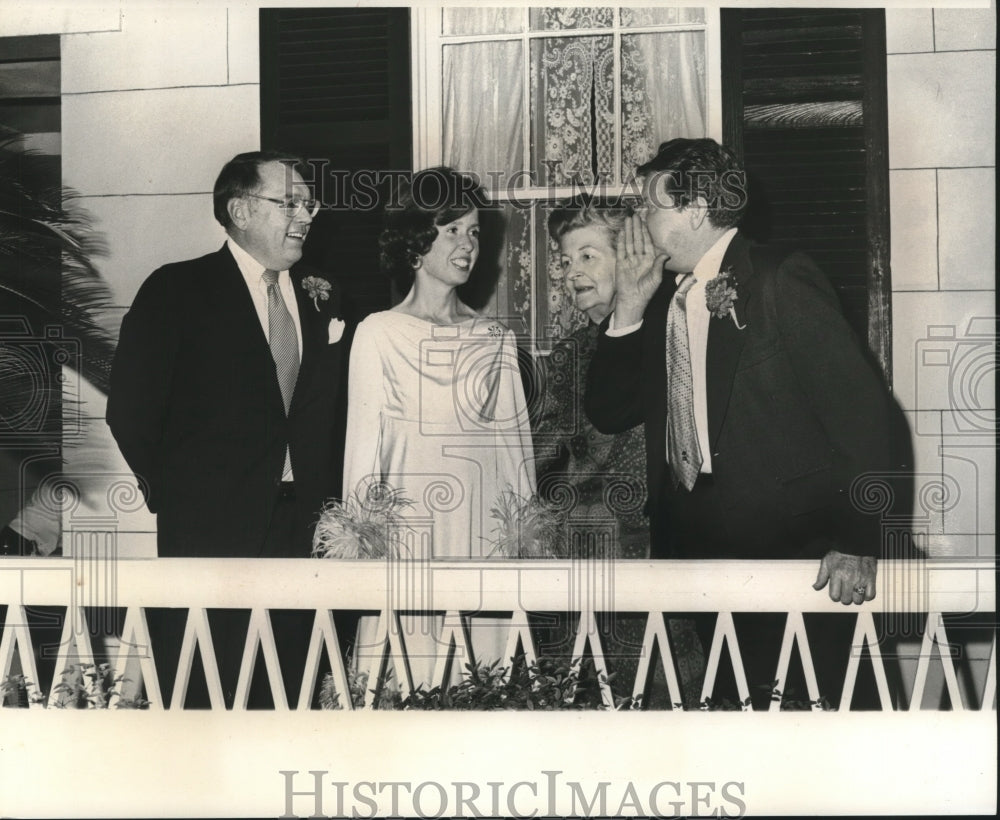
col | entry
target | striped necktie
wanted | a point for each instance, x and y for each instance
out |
(683, 452)
(284, 342)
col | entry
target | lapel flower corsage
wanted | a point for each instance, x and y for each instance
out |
(318, 289)
(721, 296)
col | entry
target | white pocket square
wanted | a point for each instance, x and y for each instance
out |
(335, 331)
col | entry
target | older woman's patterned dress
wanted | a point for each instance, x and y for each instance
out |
(600, 480)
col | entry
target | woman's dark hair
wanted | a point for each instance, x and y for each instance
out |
(433, 197)
(241, 177)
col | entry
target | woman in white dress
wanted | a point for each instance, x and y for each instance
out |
(436, 407)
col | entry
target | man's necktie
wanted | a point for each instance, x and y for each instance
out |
(284, 342)
(683, 451)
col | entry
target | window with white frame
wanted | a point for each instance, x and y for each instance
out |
(543, 103)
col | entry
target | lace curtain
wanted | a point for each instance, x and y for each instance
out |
(505, 20)
(570, 102)
(482, 20)
(572, 96)
(483, 107)
(572, 90)
(663, 92)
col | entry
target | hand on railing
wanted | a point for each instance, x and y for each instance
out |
(851, 577)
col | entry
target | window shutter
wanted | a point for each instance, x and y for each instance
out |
(335, 88)
(30, 101)
(805, 104)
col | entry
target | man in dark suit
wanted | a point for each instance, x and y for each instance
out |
(224, 385)
(224, 401)
(760, 408)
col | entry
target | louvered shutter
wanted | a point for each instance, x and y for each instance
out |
(804, 101)
(335, 88)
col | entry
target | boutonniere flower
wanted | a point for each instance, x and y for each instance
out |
(721, 296)
(334, 331)
(318, 289)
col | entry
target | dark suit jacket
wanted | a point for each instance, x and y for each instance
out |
(795, 411)
(197, 411)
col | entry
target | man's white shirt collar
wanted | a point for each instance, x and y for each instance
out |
(708, 266)
(251, 269)
(253, 275)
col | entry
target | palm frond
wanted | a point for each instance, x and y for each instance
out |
(48, 245)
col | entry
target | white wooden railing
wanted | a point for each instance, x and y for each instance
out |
(931, 589)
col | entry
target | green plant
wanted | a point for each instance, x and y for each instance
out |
(724, 705)
(18, 688)
(81, 687)
(528, 527)
(361, 527)
(791, 702)
(93, 687)
(367, 526)
(547, 685)
(357, 683)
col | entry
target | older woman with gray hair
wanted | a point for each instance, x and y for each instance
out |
(602, 477)
(604, 474)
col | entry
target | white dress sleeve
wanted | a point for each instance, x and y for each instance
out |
(365, 399)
